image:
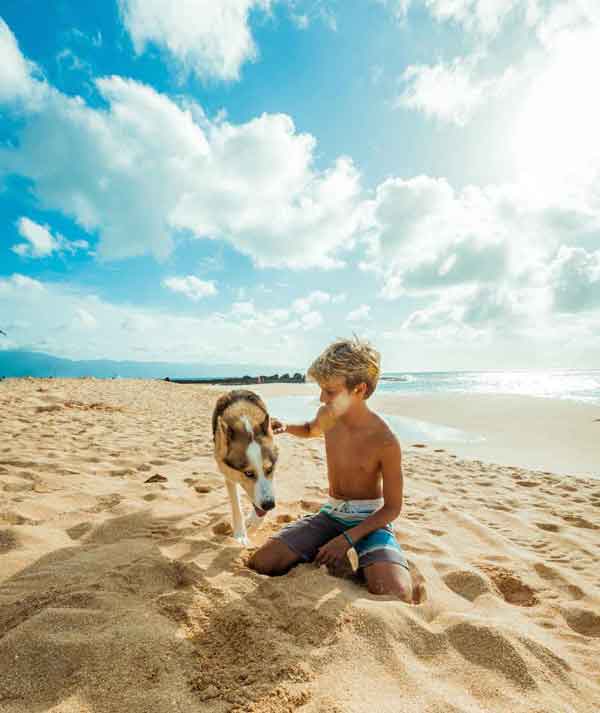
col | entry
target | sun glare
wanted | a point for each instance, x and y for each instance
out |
(556, 136)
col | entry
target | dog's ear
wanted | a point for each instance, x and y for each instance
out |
(221, 438)
(266, 426)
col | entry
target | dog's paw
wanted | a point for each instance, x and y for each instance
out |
(242, 538)
(253, 522)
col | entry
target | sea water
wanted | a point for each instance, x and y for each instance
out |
(581, 385)
(573, 384)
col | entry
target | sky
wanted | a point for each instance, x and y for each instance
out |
(245, 181)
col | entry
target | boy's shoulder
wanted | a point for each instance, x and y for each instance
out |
(383, 433)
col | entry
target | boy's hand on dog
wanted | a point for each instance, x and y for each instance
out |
(277, 426)
(333, 552)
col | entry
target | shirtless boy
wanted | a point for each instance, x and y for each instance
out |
(364, 467)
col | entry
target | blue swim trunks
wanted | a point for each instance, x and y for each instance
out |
(307, 535)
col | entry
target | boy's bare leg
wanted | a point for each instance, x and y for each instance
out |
(389, 578)
(273, 558)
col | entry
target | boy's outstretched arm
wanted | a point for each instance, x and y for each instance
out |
(323, 420)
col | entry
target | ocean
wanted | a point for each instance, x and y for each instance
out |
(574, 384)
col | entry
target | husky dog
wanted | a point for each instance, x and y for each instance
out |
(246, 455)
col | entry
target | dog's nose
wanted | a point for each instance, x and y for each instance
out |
(268, 504)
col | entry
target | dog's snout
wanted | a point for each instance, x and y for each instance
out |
(268, 504)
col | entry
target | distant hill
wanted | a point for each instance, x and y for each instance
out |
(25, 363)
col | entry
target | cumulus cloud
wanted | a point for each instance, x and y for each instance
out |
(149, 169)
(482, 16)
(311, 319)
(70, 321)
(303, 305)
(574, 279)
(359, 314)
(488, 259)
(41, 243)
(211, 39)
(453, 91)
(19, 80)
(191, 286)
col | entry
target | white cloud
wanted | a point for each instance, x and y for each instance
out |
(489, 259)
(148, 168)
(69, 60)
(41, 242)
(303, 305)
(191, 286)
(85, 319)
(398, 7)
(574, 279)
(482, 16)
(211, 39)
(17, 80)
(453, 91)
(359, 314)
(20, 285)
(69, 321)
(312, 319)
(243, 309)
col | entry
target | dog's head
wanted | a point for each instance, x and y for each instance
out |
(245, 450)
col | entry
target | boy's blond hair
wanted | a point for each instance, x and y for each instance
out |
(355, 360)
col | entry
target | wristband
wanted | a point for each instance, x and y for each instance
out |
(351, 554)
(347, 536)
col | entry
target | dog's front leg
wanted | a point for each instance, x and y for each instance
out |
(239, 528)
(253, 521)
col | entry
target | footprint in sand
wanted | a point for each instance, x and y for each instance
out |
(548, 526)
(78, 531)
(577, 521)
(550, 575)
(582, 621)
(437, 533)
(8, 541)
(467, 584)
(511, 588)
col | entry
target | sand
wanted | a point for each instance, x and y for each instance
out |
(118, 594)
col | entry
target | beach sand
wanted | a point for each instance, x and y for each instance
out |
(118, 594)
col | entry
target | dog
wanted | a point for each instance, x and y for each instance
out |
(246, 454)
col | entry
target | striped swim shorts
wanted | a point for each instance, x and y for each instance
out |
(307, 535)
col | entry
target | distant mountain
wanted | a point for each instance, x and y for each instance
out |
(24, 363)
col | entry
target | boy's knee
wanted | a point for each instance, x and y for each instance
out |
(389, 579)
(395, 589)
(271, 559)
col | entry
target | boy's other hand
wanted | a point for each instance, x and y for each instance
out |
(333, 552)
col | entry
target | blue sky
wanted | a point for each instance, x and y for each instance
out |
(247, 180)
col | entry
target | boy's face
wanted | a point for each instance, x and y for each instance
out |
(335, 393)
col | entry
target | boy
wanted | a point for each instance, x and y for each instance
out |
(364, 468)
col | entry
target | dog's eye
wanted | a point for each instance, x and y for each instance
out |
(268, 471)
(250, 474)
